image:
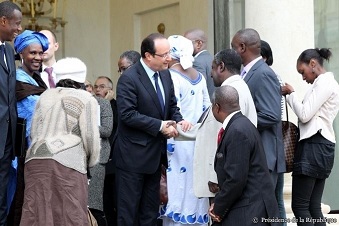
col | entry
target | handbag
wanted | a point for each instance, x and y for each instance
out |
(163, 186)
(91, 219)
(20, 137)
(290, 138)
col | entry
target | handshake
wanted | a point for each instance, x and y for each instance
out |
(169, 128)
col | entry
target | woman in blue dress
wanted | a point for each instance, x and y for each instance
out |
(190, 87)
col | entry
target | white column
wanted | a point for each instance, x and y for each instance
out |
(288, 26)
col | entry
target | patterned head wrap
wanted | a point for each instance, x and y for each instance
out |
(182, 50)
(28, 37)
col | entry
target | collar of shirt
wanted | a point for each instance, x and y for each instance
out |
(248, 67)
(44, 66)
(228, 118)
(196, 55)
(149, 71)
(2, 43)
(231, 79)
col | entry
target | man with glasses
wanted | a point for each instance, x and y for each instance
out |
(147, 116)
(127, 59)
(103, 87)
(202, 58)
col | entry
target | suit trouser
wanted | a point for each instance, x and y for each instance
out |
(110, 202)
(5, 164)
(138, 198)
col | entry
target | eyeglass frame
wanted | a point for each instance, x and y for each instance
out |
(163, 56)
(122, 69)
(102, 86)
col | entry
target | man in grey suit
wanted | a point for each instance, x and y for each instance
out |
(265, 90)
(202, 58)
(10, 26)
(246, 195)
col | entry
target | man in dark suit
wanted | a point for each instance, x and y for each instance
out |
(147, 112)
(10, 26)
(246, 195)
(265, 90)
(202, 58)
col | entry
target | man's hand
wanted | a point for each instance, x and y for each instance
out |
(213, 187)
(109, 95)
(168, 130)
(171, 123)
(185, 126)
(214, 217)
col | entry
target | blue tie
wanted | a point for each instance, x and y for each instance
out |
(159, 94)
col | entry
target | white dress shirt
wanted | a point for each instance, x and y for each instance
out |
(44, 75)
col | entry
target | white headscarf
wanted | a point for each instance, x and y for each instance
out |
(182, 50)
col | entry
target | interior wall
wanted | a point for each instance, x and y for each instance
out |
(285, 34)
(99, 33)
(132, 21)
(87, 36)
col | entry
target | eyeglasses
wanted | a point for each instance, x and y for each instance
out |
(101, 87)
(197, 40)
(164, 56)
(122, 69)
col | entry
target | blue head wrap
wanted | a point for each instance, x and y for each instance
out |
(28, 37)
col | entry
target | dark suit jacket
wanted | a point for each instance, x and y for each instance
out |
(8, 111)
(246, 189)
(139, 141)
(266, 92)
(203, 64)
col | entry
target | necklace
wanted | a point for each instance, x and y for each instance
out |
(174, 65)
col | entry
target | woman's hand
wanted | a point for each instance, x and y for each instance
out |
(286, 89)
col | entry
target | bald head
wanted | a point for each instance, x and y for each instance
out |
(196, 34)
(228, 99)
(198, 38)
(247, 43)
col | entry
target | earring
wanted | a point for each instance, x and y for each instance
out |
(313, 70)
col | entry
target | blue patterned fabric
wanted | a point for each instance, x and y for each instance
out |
(28, 37)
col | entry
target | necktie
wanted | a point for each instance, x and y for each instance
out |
(221, 132)
(159, 94)
(243, 72)
(3, 55)
(50, 77)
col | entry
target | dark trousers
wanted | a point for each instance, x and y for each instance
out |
(5, 164)
(138, 200)
(306, 199)
(110, 202)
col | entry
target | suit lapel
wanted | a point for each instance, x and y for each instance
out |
(144, 79)
(9, 58)
(253, 69)
(237, 115)
(165, 80)
(2, 59)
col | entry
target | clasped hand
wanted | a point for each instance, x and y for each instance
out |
(214, 217)
(169, 128)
